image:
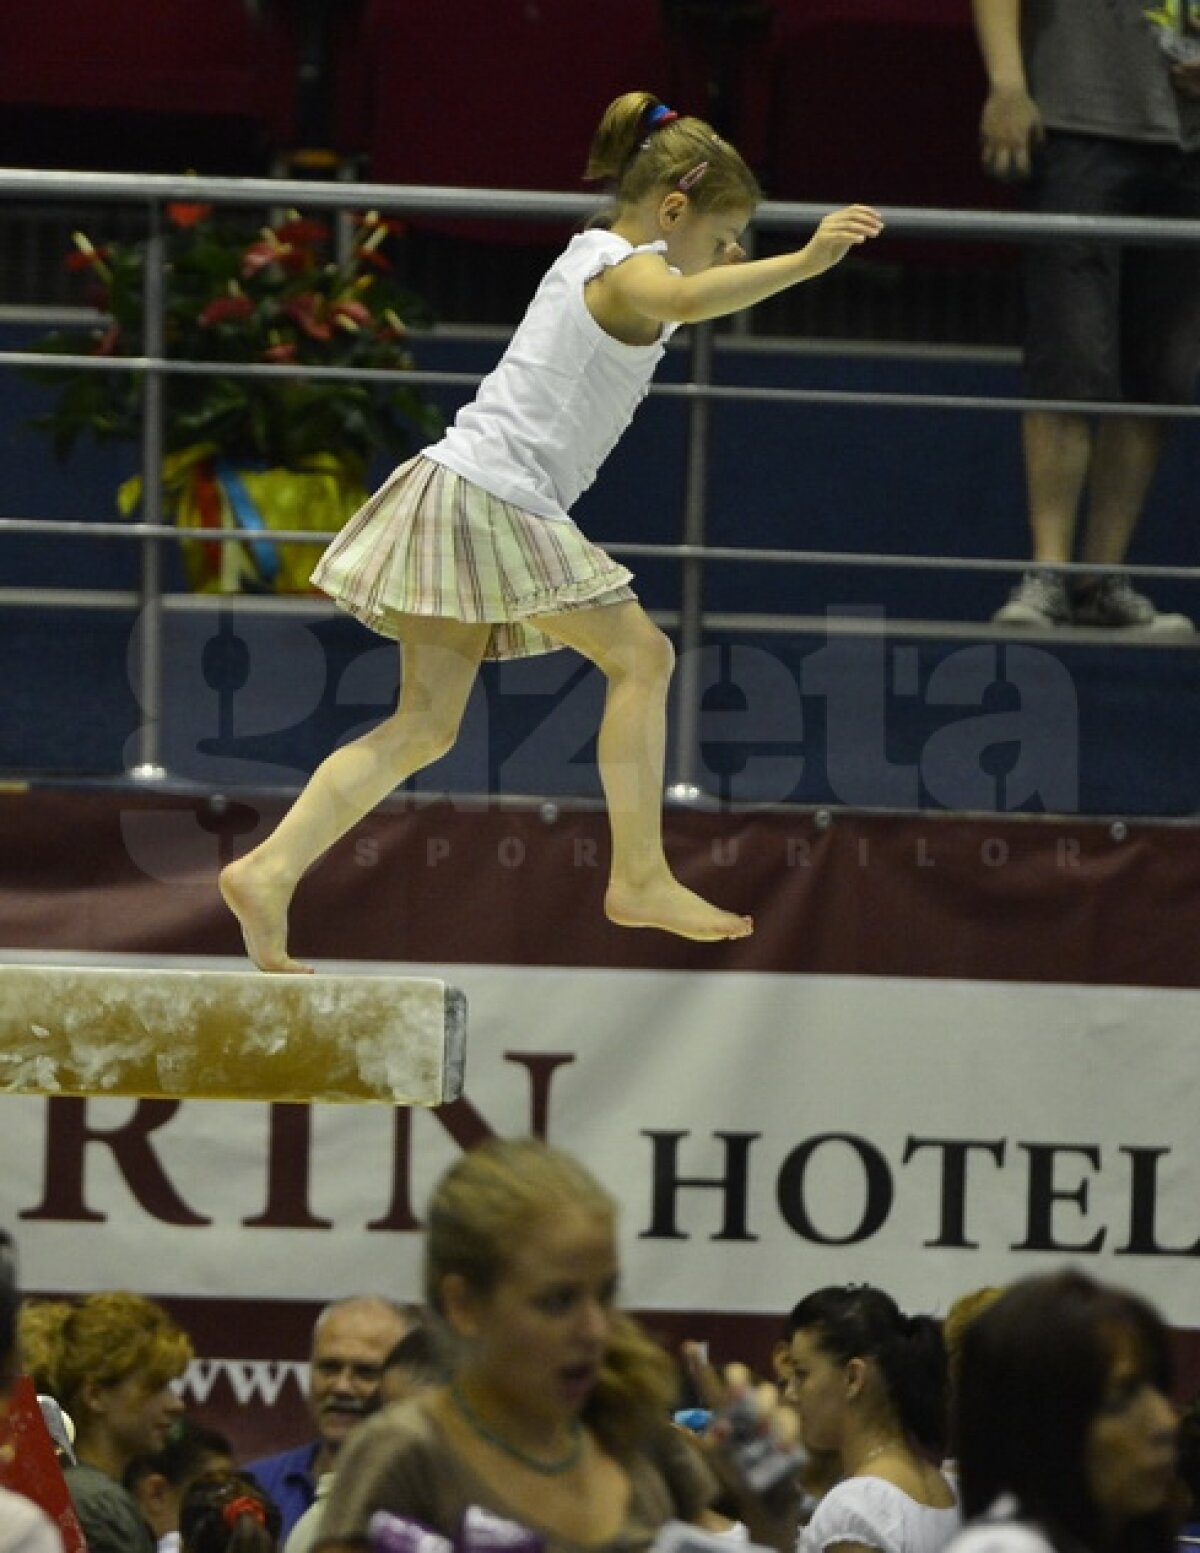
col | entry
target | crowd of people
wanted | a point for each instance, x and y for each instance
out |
(517, 1405)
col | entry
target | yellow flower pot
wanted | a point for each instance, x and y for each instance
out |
(201, 491)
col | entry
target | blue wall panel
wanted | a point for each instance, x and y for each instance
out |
(255, 701)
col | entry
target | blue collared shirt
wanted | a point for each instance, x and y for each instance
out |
(288, 1478)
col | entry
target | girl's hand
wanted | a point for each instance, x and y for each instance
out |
(838, 233)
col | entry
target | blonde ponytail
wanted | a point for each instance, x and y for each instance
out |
(635, 1390)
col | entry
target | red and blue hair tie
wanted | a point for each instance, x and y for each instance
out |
(658, 117)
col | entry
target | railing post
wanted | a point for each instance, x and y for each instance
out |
(148, 656)
(684, 787)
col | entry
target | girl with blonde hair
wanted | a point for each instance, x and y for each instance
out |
(469, 551)
(556, 1411)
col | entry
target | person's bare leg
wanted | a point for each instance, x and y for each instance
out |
(440, 659)
(1125, 458)
(637, 659)
(1058, 452)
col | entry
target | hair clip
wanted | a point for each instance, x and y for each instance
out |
(692, 178)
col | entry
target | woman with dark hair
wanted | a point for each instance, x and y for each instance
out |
(159, 1479)
(1189, 1472)
(227, 1512)
(1066, 1436)
(869, 1383)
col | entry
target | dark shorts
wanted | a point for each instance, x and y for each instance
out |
(1105, 322)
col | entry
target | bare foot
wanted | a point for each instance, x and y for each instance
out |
(667, 904)
(261, 909)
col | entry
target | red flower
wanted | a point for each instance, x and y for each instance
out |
(259, 255)
(302, 230)
(285, 350)
(87, 258)
(182, 214)
(268, 251)
(352, 314)
(224, 309)
(373, 257)
(307, 311)
(294, 259)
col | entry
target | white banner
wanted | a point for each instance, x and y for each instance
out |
(764, 1134)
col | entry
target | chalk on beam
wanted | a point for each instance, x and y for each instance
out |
(230, 1035)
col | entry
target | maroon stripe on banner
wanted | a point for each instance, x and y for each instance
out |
(899, 895)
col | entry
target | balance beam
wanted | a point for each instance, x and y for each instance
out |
(230, 1035)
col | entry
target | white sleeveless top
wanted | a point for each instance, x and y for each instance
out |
(1001, 1536)
(545, 420)
(877, 1514)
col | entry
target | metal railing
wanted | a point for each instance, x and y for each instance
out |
(692, 552)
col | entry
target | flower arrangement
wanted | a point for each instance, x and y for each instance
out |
(278, 295)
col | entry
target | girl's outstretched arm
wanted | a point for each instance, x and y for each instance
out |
(646, 285)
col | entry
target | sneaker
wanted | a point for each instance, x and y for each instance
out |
(1039, 599)
(1113, 603)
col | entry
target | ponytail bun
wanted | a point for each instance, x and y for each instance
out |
(643, 148)
(621, 131)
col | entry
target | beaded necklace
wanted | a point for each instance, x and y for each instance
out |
(564, 1463)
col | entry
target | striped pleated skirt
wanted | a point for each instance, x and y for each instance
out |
(431, 543)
